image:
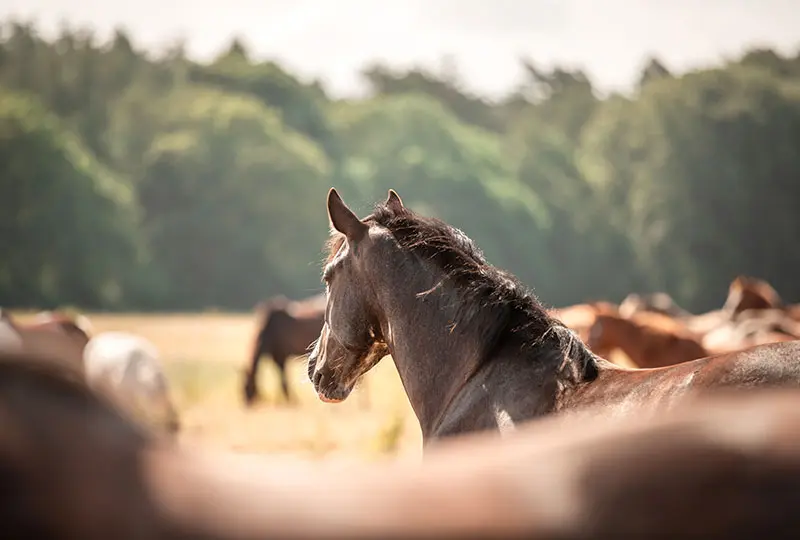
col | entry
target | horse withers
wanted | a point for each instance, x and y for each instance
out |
(475, 349)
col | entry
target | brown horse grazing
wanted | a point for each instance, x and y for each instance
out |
(285, 328)
(49, 333)
(649, 339)
(473, 348)
(73, 467)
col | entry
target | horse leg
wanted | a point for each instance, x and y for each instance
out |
(280, 362)
(251, 378)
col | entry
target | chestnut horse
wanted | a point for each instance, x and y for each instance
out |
(581, 317)
(474, 349)
(649, 339)
(73, 467)
(285, 328)
(746, 292)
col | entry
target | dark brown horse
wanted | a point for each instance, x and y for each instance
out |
(73, 467)
(285, 328)
(474, 349)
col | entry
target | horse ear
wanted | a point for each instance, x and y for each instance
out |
(394, 202)
(343, 219)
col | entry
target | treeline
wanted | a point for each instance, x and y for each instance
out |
(129, 181)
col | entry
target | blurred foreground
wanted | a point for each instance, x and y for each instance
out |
(203, 356)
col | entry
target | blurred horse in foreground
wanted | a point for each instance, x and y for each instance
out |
(126, 364)
(48, 333)
(73, 466)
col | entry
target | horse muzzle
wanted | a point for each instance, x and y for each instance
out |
(328, 389)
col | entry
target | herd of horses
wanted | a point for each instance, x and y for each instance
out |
(529, 430)
(126, 365)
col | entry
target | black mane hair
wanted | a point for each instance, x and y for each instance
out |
(494, 300)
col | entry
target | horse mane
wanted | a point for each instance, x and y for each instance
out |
(493, 299)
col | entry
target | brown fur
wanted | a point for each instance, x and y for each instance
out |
(746, 292)
(728, 468)
(580, 317)
(285, 329)
(650, 340)
(475, 350)
(52, 334)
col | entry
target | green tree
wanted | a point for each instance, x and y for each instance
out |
(445, 168)
(708, 166)
(233, 201)
(68, 227)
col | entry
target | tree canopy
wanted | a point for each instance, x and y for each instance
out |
(135, 181)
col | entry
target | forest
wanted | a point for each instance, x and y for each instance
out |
(131, 180)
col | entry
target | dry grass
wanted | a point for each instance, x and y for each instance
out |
(204, 355)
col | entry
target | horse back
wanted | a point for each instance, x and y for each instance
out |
(771, 365)
(623, 390)
(285, 333)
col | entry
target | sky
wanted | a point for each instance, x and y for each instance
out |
(334, 39)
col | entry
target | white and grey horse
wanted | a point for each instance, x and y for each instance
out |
(130, 366)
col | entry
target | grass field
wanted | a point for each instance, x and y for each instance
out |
(204, 355)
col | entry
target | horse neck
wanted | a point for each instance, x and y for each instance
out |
(436, 350)
(433, 357)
